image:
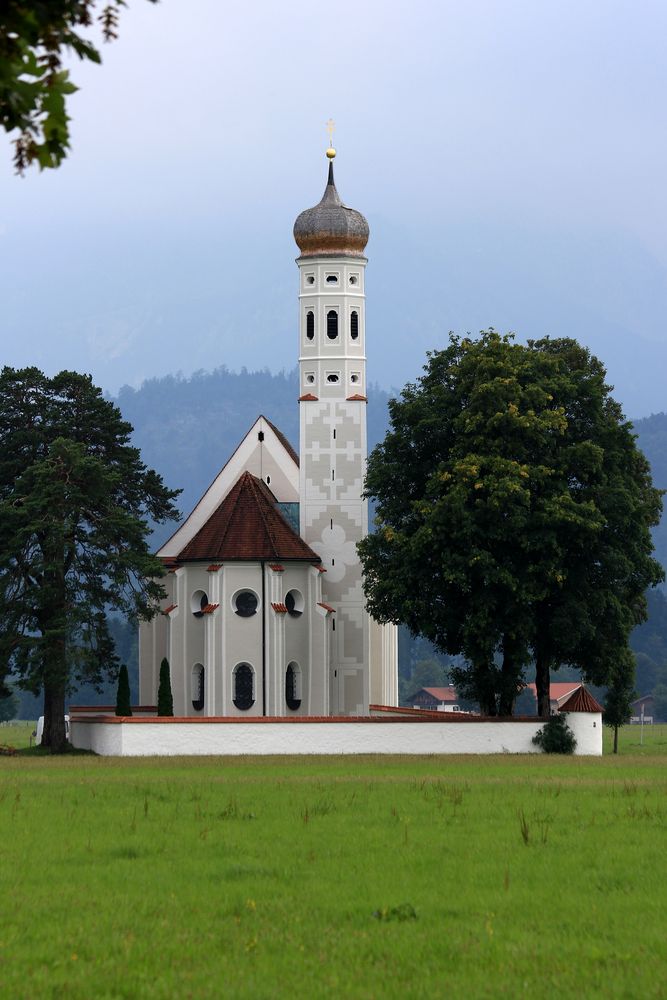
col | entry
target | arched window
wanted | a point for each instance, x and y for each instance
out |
(198, 602)
(310, 324)
(354, 324)
(198, 687)
(294, 603)
(244, 686)
(332, 324)
(293, 686)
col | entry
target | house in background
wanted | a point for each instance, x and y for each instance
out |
(436, 699)
(643, 707)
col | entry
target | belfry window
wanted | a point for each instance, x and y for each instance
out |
(310, 325)
(332, 279)
(354, 324)
(332, 324)
(244, 684)
(333, 377)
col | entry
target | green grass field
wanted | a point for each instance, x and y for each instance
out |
(331, 877)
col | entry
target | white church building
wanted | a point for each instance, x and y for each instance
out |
(265, 612)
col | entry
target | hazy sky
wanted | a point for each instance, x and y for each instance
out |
(511, 158)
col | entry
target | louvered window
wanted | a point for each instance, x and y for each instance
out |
(354, 324)
(310, 325)
(244, 697)
(332, 324)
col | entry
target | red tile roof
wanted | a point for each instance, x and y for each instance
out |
(581, 701)
(277, 568)
(214, 567)
(362, 399)
(558, 690)
(441, 693)
(172, 607)
(208, 609)
(283, 440)
(279, 607)
(327, 607)
(247, 526)
(308, 398)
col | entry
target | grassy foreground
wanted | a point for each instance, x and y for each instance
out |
(330, 877)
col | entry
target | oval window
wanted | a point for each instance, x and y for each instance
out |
(198, 687)
(245, 603)
(294, 603)
(333, 377)
(244, 684)
(293, 686)
(332, 279)
(198, 602)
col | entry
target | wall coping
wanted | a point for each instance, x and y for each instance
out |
(424, 717)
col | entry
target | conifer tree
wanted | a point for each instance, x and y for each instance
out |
(123, 704)
(75, 506)
(165, 701)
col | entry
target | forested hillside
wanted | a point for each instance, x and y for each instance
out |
(187, 428)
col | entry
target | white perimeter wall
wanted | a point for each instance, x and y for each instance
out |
(188, 737)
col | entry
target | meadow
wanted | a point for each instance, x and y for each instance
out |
(329, 877)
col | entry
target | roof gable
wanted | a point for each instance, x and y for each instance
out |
(264, 451)
(247, 526)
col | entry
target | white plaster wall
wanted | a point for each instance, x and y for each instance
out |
(587, 728)
(355, 737)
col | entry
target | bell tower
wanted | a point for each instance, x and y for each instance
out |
(332, 370)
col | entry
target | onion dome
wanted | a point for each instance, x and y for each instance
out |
(331, 229)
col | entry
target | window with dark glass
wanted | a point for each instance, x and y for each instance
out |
(292, 687)
(198, 602)
(332, 324)
(354, 324)
(198, 687)
(245, 603)
(294, 603)
(310, 325)
(243, 687)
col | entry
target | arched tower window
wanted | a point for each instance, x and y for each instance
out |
(310, 324)
(354, 324)
(332, 324)
(293, 686)
(243, 686)
(198, 687)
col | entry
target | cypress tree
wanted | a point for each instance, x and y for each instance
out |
(165, 702)
(123, 705)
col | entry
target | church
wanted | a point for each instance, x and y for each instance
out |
(265, 612)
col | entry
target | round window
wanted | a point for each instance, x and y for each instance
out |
(294, 603)
(245, 603)
(198, 602)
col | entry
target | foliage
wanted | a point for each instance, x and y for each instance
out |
(620, 693)
(231, 845)
(165, 701)
(555, 736)
(75, 499)
(9, 706)
(513, 515)
(123, 703)
(34, 38)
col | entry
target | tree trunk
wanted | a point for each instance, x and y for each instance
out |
(54, 735)
(615, 739)
(508, 678)
(542, 685)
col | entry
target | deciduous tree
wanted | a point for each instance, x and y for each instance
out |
(514, 514)
(75, 505)
(34, 87)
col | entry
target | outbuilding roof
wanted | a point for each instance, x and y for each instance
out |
(247, 526)
(581, 701)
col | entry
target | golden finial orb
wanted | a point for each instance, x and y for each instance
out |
(331, 153)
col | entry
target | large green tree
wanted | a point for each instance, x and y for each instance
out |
(513, 515)
(34, 86)
(75, 506)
